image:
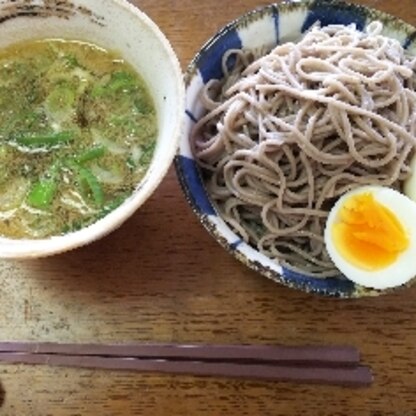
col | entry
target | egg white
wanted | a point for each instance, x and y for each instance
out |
(409, 185)
(404, 268)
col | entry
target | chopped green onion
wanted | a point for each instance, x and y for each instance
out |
(90, 154)
(43, 191)
(61, 98)
(88, 178)
(95, 187)
(46, 139)
(121, 80)
(42, 194)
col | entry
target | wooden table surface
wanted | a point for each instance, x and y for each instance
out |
(161, 277)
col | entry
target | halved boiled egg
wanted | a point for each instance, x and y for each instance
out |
(370, 235)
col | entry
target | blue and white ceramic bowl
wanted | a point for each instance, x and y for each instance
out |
(266, 27)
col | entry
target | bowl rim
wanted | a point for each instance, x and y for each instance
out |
(330, 287)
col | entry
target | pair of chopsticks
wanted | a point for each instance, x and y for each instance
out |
(338, 365)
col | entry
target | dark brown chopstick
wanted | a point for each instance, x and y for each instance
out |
(306, 364)
(317, 355)
(345, 376)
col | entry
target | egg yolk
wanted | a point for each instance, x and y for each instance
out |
(368, 234)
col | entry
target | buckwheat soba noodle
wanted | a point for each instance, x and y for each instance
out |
(287, 133)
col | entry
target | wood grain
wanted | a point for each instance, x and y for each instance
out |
(162, 278)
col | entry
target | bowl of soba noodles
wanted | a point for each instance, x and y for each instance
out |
(88, 128)
(298, 152)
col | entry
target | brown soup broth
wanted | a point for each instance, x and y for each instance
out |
(77, 134)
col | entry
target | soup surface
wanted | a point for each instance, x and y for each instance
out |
(77, 133)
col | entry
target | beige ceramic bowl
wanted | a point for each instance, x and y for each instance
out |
(115, 25)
